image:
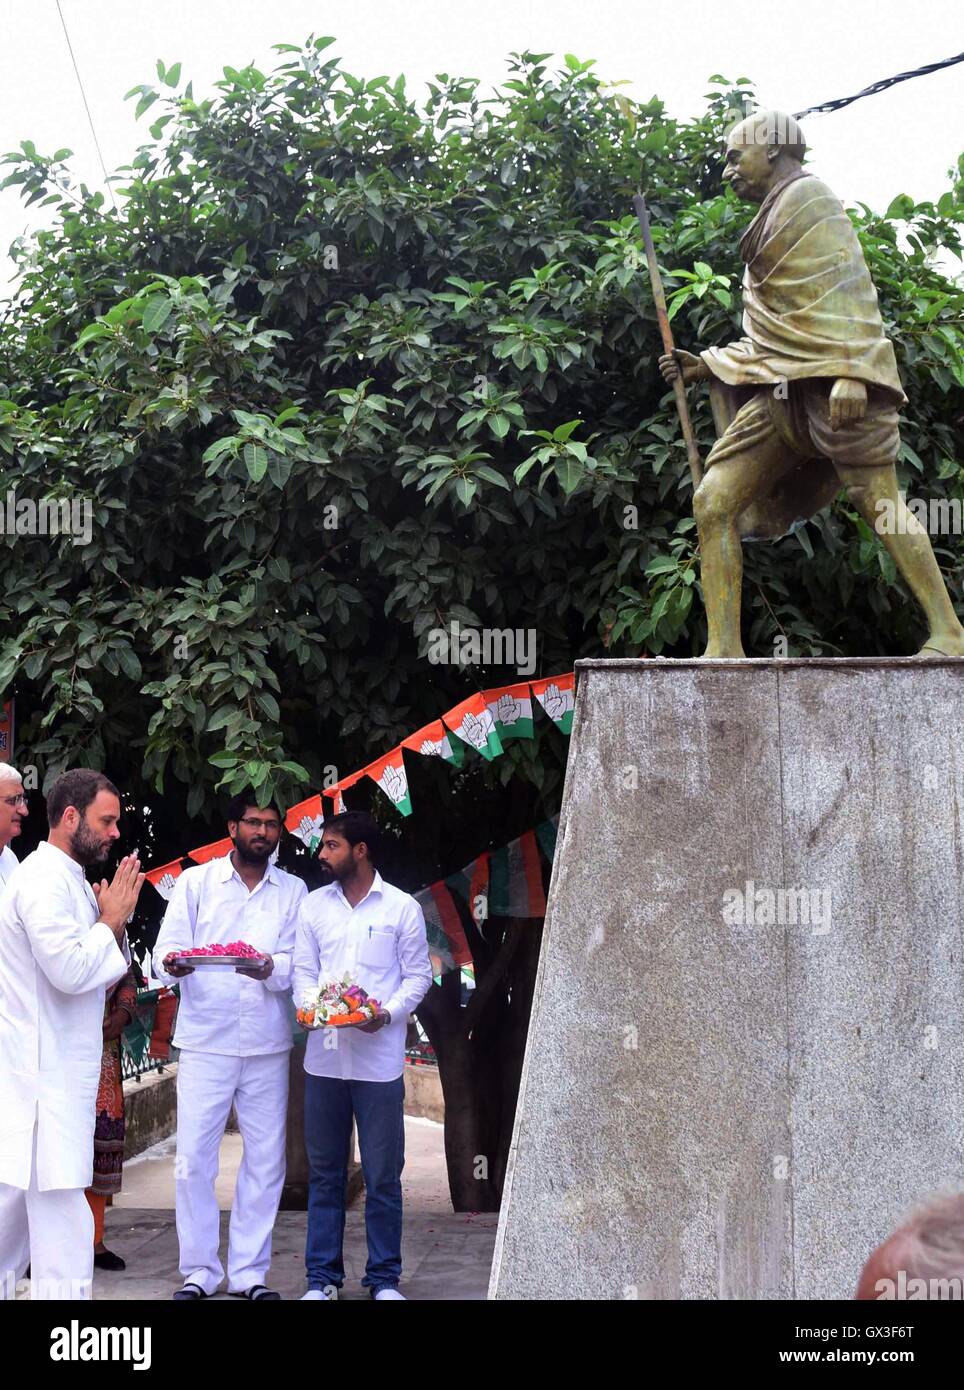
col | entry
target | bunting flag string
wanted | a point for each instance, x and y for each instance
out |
(504, 882)
(484, 722)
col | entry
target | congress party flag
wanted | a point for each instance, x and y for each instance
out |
(472, 884)
(557, 696)
(511, 709)
(435, 741)
(389, 775)
(516, 879)
(306, 820)
(443, 928)
(336, 793)
(216, 851)
(473, 723)
(165, 877)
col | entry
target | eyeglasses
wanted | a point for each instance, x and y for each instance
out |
(269, 825)
(20, 800)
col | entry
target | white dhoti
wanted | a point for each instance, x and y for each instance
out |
(51, 1231)
(207, 1084)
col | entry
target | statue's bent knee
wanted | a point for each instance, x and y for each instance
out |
(710, 502)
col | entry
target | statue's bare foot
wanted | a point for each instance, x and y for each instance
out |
(947, 643)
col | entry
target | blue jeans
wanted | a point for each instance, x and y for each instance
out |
(378, 1110)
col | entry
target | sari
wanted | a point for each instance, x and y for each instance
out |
(109, 1125)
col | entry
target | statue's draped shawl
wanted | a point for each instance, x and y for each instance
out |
(809, 305)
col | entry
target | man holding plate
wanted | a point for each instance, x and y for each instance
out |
(234, 1032)
(363, 929)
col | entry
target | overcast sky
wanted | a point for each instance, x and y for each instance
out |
(900, 141)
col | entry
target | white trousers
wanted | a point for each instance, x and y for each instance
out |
(207, 1084)
(53, 1232)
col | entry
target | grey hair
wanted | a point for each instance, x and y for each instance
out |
(930, 1243)
(8, 773)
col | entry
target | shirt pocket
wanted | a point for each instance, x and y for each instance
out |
(377, 949)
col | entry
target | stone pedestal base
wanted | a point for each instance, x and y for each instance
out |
(746, 1055)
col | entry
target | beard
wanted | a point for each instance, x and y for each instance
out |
(86, 847)
(247, 855)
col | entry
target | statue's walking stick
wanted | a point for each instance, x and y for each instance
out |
(659, 299)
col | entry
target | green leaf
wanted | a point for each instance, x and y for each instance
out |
(256, 461)
(92, 331)
(157, 311)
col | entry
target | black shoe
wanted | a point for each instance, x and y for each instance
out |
(108, 1260)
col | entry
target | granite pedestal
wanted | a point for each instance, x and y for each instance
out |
(746, 1055)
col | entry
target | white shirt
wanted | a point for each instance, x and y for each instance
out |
(56, 961)
(8, 862)
(220, 1010)
(380, 945)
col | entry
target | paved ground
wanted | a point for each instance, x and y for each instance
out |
(445, 1254)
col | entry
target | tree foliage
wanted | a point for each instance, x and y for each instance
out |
(346, 367)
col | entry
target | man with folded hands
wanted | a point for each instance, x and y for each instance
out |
(234, 1032)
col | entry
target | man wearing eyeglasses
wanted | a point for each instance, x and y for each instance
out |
(234, 1032)
(13, 808)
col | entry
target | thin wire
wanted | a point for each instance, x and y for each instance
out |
(90, 118)
(879, 86)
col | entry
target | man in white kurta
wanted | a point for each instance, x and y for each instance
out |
(61, 949)
(234, 1032)
(13, 808)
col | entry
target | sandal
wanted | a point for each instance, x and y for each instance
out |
(257, 1294)
(190, 1293)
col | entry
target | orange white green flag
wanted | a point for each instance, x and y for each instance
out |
(435, 741)
(337, 793)
(208, 852)
(165, 877)
(389, 775)
(472, 721)
(511, 709)
(557, 696)
(306, 820)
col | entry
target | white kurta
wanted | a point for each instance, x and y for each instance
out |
(56, 962)
(8, 862)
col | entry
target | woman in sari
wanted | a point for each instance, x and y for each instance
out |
(109, 1128)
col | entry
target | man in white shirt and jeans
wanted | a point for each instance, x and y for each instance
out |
(234, 1032)
(365, 928)
(13, 808)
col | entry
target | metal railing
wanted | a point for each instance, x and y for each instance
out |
(131, 1071)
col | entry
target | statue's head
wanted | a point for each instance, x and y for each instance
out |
(760, 150)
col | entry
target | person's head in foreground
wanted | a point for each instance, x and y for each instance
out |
(83, 810)
(13, 803)
(923, 1259)
(349, 844)
(255, 829)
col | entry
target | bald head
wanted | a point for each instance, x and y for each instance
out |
(761, 151)
(774, 129)
(923, 1259)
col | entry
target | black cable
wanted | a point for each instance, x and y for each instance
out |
(879, 87)
(90, 118)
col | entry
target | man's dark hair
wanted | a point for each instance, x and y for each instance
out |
(76, 788)
(357, 827)
(249, 800)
